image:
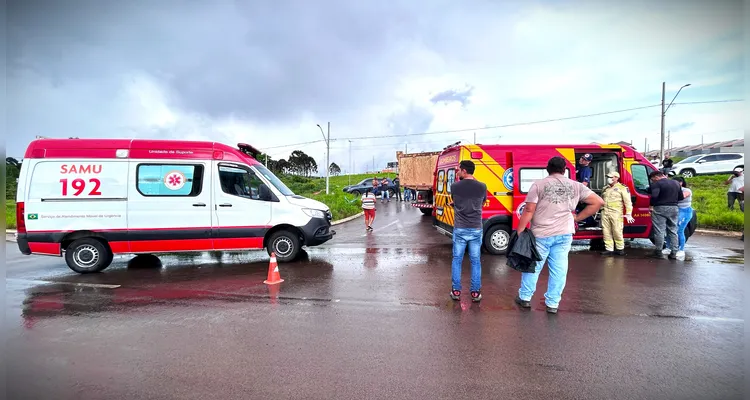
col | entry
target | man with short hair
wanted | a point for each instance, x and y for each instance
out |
(384, 193)
(549, 208)
(665, 194)
(467, 199)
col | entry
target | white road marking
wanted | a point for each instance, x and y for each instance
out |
(38, 282)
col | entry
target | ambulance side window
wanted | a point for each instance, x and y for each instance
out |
(640, 177)
(451, 179)
(441, 181)
(169, 180)
(239, 182)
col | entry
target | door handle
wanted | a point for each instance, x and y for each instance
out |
(199, 205)
(225, 205)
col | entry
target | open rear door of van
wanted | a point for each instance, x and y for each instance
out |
(530, 165)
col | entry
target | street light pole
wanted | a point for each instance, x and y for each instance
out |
(328, 154)
(350, 162)
(664, 113)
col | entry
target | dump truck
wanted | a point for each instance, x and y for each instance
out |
(416, 171)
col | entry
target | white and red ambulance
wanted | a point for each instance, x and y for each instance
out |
(90, 199)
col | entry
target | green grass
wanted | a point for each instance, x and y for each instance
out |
(10, 214)
(710, 203)
(342, 205)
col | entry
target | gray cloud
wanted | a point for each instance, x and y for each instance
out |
(453, 95)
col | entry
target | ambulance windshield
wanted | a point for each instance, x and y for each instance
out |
(276, 182)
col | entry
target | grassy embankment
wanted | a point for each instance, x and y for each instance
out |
(342, 205)
(710, 201)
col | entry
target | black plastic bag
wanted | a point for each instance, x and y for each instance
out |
(522, 253)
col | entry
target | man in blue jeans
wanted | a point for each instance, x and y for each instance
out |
(468, 197)
(550, 205)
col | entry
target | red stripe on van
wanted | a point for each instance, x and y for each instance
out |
(50, 249)
(168, 246)
(157, 229)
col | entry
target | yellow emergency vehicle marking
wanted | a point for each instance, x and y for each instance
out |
(490, 172)
(568, 153)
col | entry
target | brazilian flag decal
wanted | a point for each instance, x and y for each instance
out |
(33, 217)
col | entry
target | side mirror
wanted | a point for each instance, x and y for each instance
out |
(701, 161)
(265, 193)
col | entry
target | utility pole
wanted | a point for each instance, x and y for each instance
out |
(664, 113)
(266, 160)
(475, 138)
(669, 141)
(328, 155)
(406, 148)
(663, 90)
(645, 145)
(350, 162)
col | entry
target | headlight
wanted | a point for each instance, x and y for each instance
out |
(314, 213)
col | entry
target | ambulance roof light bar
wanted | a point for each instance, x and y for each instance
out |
(249, 150)
(452, 145)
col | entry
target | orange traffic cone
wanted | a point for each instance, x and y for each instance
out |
(273, 272)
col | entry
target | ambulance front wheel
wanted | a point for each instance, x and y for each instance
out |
(496, 239)
(285, 244)
(88, 255)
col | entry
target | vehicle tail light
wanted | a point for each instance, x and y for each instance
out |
(420, 197)
(20, 218)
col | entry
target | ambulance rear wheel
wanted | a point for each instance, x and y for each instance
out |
(496, 239)
(285, 244)
(88, 255)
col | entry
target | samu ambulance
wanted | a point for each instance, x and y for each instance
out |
(89, 199)
(510, 170)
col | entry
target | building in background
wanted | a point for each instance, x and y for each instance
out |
(729, 146)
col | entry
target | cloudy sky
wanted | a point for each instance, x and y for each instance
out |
(266, 72)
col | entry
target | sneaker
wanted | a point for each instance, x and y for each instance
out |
(680, 255)
(476, 296)
(666, 251)
(523, 303)
(657, 254)
(551, 310)
(456, 294)
(608, 253)
(672, 256)
(619, 252)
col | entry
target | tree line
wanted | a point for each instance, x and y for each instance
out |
(298, 163)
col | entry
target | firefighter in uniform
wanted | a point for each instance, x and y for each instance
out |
(615, 196)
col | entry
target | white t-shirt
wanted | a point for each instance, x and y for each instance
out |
(368, 201)
(737, 183)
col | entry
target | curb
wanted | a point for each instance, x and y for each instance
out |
(353, 217)
(10, 237)
(712, 232)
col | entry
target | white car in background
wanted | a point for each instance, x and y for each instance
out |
(706, 164)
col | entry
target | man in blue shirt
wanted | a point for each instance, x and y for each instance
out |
(583, 175)
(583, 171)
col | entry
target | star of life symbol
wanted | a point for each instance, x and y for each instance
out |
(174, 180)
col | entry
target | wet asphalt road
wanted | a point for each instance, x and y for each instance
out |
(367, 316)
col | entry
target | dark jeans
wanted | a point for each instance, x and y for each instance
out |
(397, 194)
(664, 221)
(740, 197)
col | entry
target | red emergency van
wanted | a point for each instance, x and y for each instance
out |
(509, 170)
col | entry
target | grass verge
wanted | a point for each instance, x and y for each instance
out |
(710, 203)
(10, 214)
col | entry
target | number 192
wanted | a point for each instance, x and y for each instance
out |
(79, 185)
